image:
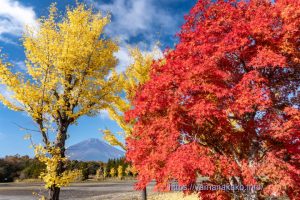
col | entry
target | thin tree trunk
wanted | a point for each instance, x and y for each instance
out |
(231, 181)
(144, 194)
(252, 194)
(60, 143)
(54, 193)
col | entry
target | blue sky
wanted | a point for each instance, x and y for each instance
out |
(139, 23)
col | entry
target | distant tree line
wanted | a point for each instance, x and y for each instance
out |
(117, 168)
(18, 167)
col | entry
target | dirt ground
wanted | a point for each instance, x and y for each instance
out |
(118, 190)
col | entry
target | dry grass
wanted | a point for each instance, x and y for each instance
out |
(173, 196)
(32, 180)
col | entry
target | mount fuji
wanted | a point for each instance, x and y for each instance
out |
(93, 150)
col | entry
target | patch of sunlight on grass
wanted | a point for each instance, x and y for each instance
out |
(174, 196)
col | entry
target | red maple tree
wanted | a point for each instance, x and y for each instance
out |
(225, 102)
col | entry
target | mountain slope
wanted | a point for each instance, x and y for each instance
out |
(93, 150)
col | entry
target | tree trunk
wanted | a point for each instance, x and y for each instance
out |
(251, 195)
(60, 143)
(231, 181)
(54, 193)
(144, 194)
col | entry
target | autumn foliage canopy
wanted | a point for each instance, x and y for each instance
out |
(225, 102)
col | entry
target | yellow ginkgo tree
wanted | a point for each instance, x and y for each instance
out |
(127, 84)
(69, 63)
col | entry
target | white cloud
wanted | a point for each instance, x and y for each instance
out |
(142, 19)
(20, 65)
(5, 92)
(14, 17)
(124, 58)
(7, 40)
(104, 114)
(131, 18)
(9, 96)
